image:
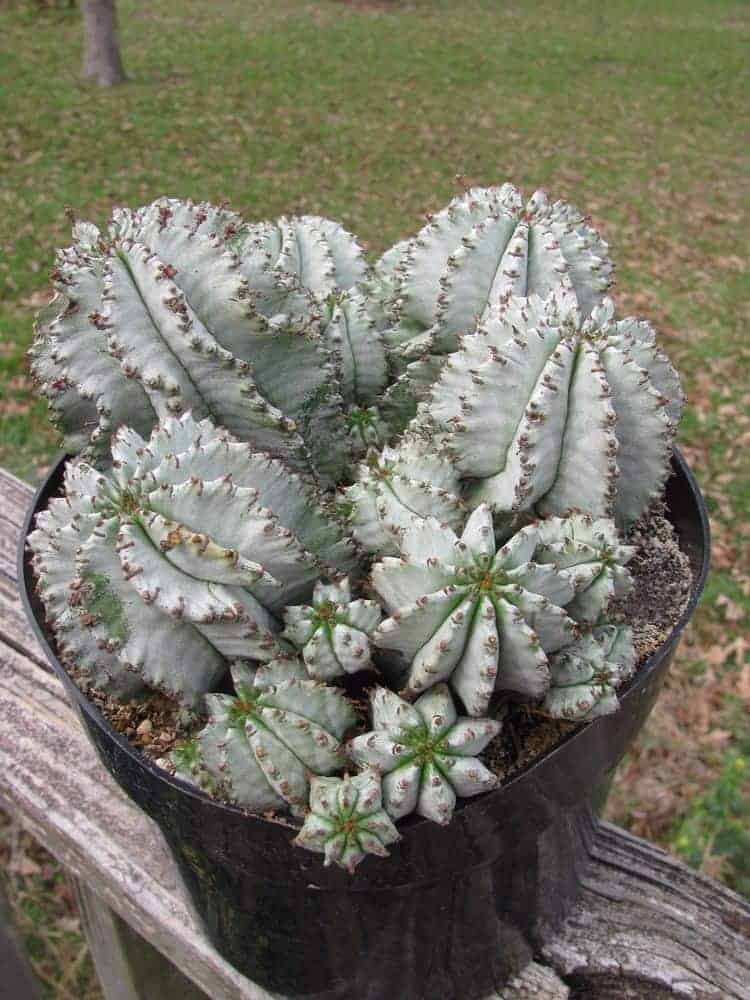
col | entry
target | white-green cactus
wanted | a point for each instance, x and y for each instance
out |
(181, 558)
(586, 674)
(260, 417)
(59, 533)
(485, 247)
(262, 744)
(186, 761)
(179, 307)
(544, 412)
(398, 486)
(346, 820)
(333, 632)
(425, 752)
(482, 618)
(587, 550)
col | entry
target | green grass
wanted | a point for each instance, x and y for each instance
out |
(633, 110)
(366, 114)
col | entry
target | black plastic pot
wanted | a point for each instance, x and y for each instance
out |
(455, 910)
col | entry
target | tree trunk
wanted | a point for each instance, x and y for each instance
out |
(101, 51)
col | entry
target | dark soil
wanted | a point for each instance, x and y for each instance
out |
(663, 580)
(662, 583)
(152, 723)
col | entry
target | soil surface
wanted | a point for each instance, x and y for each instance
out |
(662, 580)
(662, 583)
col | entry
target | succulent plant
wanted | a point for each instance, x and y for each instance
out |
(186, 761)
(586, 674)
(262, 744)
(333, 632)
(60, 531)
(485, 247)
(425, 752)
(589, 551)
(261, 418)
(398, 486)
(180, 307)
(482, 618)
(547, 413)
(346, 820)
(182, 556)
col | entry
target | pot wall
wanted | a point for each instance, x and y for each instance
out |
(456, 910)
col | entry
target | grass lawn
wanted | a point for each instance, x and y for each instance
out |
(366, 113)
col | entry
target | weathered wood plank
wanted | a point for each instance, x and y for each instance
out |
(660, 926)
(536, 982)
(16, 496)
(128, 967)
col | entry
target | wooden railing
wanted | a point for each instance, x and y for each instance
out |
(645, 926)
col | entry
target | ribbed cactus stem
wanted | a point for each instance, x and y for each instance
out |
(425, 752)
(261, 744)
(346, 820)
(586, 674)
(546, 413)
(482, 618)
(178, 563)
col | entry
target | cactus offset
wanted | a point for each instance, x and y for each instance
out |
(399, 486)
(262, 744)
(183, 307)
(485, 247)
(586, 674)
(479, 618)
(425, 752)
(346, 820)
(334, 632)
(179, 564)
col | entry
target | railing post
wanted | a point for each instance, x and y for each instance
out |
(128, 967)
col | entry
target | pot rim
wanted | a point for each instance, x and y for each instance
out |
(26, 583)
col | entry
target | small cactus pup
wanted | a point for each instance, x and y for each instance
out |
(334, 632)
(545, 412)
(262, 744)
(589, 551)
(425, 752)
(181, 558)
(346, 820)
(482, 618)
(586, 674)
(398, 486)
(186, 761)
